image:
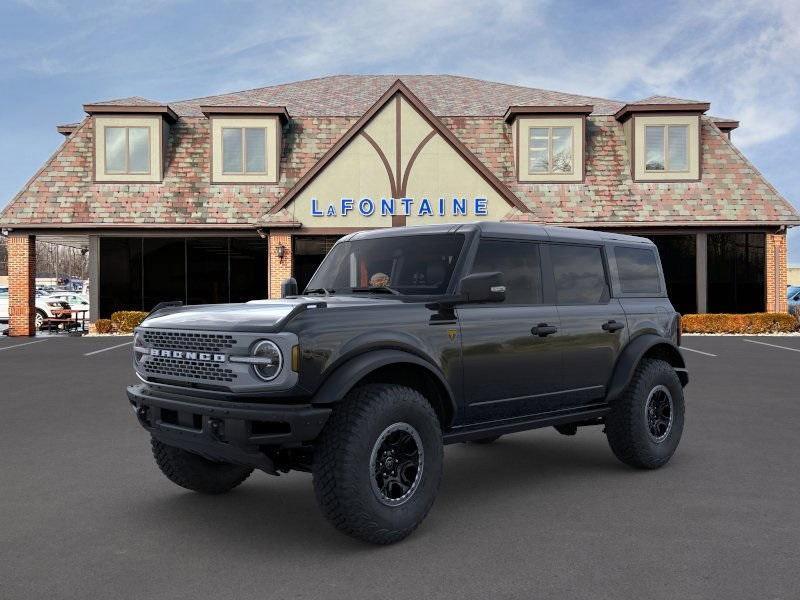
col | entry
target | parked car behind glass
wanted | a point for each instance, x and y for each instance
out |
(793, 296)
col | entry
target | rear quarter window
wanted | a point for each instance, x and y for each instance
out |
(638, 270)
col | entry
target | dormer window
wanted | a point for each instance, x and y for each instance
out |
(548, 142)
(245, 143)
(666, 148)
(127, 150)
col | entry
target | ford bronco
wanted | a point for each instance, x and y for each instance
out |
(407, 339)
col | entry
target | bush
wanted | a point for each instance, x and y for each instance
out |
(124, 321)
(749, 323)
(103, 326)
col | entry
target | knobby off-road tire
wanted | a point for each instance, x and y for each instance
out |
(638, 430)
(374, 425)
(196, 473)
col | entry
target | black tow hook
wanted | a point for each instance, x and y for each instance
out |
(215, 427)
(142, 415)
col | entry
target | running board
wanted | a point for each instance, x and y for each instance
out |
(476, 432)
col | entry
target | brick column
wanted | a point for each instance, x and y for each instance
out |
(775, 271)
(279, 269)
(21, 284)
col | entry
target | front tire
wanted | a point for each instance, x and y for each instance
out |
(193, 472)
(646, 422)
(39, 318)
(378, 463)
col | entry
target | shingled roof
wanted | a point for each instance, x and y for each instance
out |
(731, 191)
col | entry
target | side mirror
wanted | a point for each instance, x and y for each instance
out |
(289, 287)
(482, 287)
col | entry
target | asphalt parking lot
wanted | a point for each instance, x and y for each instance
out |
(84, 513)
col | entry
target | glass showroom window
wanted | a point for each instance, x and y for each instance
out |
(244, 150)
(550, 150)
(666, 148)
(127, 150)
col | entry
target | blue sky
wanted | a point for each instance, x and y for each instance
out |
(56, 55)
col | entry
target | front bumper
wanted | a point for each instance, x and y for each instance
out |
(227, 431)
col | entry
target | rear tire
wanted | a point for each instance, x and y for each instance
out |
(39, 318)
(646, 421)
(378, 463)
(193, 472)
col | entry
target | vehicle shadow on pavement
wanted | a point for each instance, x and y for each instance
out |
(265, 513)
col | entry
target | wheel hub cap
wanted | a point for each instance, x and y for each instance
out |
(396, 464)
(658, 411)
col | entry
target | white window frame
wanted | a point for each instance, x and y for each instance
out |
(127, 170)
(243, 129)
(521, 137)
(272, 133)
(550, 170)
(665, 148)
(158, 132)
(635, 134)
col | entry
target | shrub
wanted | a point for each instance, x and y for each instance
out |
(103, 326)
(124, 321)
(748, 324)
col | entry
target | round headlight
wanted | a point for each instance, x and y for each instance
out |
(270, 360)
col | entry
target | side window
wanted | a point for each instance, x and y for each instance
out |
(638, 270)
(579, 275)
(519, 263)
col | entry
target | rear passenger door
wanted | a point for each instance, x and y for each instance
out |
(510, 370)
(593, 324)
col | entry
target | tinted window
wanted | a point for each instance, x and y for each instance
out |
(519, 263)
(419, 264)
(638, 270)
(579, 275)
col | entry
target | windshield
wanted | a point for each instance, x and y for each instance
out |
(418, 264)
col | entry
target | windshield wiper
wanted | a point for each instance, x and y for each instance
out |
(322, 290)
(377, 290)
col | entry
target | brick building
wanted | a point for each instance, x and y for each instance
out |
(220, 198)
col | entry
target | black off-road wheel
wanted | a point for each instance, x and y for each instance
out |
(196, 473)
(646, 421)
(378, 463)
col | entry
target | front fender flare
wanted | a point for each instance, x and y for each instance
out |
(347, 375)
(631, 356)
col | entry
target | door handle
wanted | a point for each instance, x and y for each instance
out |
(612, 326)
(543, 330)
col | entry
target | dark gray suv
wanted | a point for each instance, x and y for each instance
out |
(407, 339)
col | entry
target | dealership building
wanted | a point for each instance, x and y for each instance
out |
(219, 199)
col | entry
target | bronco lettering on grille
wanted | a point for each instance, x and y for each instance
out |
(201, 356)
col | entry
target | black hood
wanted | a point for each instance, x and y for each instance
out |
(256, 315)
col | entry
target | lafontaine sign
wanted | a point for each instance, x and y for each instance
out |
(422, 207)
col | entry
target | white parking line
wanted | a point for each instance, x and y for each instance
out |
(20, 345)
(109, 348)
(698, 351)
(772, 345)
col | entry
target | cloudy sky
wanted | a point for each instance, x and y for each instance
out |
(741, 55)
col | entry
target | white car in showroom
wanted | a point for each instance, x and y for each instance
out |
(45, 307)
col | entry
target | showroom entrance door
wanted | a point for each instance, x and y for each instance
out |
(307, 255)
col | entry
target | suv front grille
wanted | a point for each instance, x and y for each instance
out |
(189, 369)
(193, 342)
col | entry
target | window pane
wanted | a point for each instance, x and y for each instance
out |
(231, 150)
(678, 261)
(256, 151)
(562, 149)
(207, 270)
(654, 148)
(538, 150)
(638, 270)
(164, 271)
(115, 149)
(678, 140)
(579, 274)
(519, 264)
(248, 272)
(736, 272)
(138, 149)
(120, 271)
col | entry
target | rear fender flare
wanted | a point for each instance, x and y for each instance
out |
(632, 355)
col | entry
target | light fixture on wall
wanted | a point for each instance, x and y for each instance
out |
(280, 252)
